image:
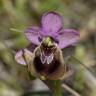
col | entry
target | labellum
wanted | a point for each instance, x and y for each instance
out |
(48, 60)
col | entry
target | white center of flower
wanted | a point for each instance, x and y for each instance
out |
(45, 58)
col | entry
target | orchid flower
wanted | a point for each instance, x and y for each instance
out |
(47, 59)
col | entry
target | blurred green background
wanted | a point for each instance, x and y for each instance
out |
(19, 14)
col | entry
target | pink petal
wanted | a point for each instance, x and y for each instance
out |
(19, 57)
(32, 35)
(51, 23)
(68, 37)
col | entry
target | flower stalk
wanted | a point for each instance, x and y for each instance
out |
(57, 88)
(54, 86)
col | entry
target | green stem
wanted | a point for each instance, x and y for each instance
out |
(56, 90)
(54, 86)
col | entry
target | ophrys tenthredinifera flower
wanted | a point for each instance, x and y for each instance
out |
(47, 59)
